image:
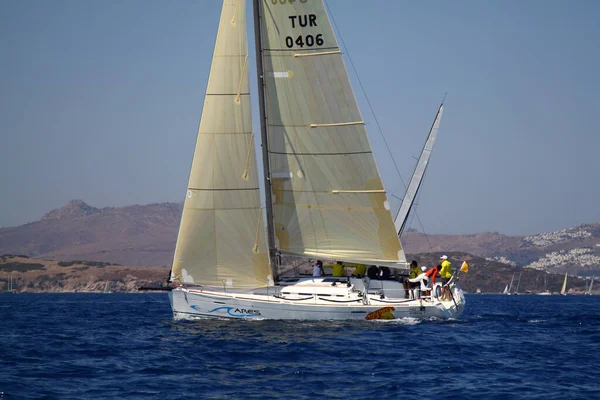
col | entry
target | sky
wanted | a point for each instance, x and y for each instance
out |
(101, 101)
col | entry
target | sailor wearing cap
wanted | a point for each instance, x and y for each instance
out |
(446, 274)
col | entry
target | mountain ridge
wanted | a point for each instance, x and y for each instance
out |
(146, 235)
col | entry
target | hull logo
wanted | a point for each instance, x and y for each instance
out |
(236, 312)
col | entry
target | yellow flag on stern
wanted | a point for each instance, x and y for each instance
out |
(464, 267)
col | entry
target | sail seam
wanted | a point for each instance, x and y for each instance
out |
(328, 191)
(323, 53)
(336, 191)
(337, 124)
(320, 48)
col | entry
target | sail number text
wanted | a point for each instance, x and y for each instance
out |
(303, 21)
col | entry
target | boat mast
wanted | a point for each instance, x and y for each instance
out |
(265, 142)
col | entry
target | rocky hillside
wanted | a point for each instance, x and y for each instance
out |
(575, 250)
(146, 235)
(24, 274)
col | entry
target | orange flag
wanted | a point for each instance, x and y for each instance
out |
(464, 267)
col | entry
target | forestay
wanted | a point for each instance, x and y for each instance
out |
(221, 238)
(329, 200)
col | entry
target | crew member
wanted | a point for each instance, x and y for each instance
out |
(446, 274)
(318, 269)
(414, 272)
(359, 270)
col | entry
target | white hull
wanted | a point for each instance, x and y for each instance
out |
(188, 303)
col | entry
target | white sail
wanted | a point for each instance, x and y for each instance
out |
(418, 175)
(328, 198)
(563, 290)
(591, 285)
(221, 237)
(511, 283)
(505, 289)
(518, 282)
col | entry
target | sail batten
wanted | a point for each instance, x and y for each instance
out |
(221, 237)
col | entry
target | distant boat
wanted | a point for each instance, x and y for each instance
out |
(518, 283)
(546, 292)
(478, 291)
(11, 288)
(563, 291)
(508, 290)
(505, 291)
(589, 289)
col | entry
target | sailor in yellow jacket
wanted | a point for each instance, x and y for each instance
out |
(360, 270)
(446, 274)
(338, 268)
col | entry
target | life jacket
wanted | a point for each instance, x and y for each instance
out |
(431, 274)
(416, 271)
(446, 271)
(359, 269)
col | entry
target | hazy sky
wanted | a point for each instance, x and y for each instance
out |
(100, 101)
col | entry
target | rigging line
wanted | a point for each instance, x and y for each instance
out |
(365, 94)
(250, 148)
(423, 229)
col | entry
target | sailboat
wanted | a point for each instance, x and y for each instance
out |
(546, 292)
(324, 198)
(518, 283)
(589, 289)
(11, 287)
(505, 291)
(508, 289)
(563, 290)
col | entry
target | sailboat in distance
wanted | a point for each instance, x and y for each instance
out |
(546, 292)
(563, 290)
(508, 288)
(324, 196)
(589, 289)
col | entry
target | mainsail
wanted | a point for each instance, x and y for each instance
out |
(221, 237)
(328, 198)
(419, 173)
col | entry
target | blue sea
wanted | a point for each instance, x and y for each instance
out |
(127, 346)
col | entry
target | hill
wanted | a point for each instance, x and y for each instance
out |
(36, 275)
(146, 235)
(133, 235)
(26, 274)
